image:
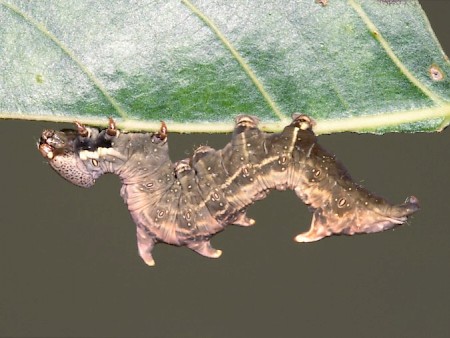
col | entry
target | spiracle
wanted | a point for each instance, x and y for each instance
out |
(187, 202)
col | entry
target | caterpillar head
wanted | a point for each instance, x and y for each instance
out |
(60, 150)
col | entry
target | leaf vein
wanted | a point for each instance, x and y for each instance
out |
(415, 81)
(43, 29)
(245, 66)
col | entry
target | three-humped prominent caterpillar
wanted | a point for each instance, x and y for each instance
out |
(187, 202)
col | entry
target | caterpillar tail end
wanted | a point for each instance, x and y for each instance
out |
(371, 219)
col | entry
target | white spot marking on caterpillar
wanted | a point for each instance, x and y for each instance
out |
(100, 152)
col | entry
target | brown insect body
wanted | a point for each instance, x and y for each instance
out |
(186, 203)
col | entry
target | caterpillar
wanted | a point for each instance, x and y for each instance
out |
(185, 203)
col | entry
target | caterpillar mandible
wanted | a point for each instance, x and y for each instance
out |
(187, 202)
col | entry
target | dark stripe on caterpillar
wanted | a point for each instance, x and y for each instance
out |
(187, 202)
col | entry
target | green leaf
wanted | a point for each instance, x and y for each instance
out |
(368, 65)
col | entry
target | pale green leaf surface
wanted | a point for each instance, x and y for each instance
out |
(351, 65)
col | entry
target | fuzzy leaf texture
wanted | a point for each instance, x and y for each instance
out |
(367, 65)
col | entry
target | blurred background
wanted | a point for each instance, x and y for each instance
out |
(70, 268)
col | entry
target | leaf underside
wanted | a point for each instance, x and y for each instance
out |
(367, 65)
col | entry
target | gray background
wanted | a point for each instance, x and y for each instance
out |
(70, 268)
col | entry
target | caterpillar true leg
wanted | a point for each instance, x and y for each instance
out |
(82, 130)
(112, 130)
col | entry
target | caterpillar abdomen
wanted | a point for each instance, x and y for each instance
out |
(187, 202)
